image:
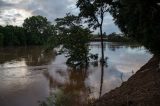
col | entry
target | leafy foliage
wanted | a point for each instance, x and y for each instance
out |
(74, 38)
(140, 20)
(35, 31)
(1, 39)
(37, 28)
(35, 24)
(113, 37)
(94, 12)
(12, 35)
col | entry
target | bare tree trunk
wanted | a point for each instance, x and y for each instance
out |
(102, 45)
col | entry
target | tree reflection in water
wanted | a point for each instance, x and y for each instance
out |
(70, 92)
(70, 85)
(33, 56)
(102, 75)
(101, 82)
(74, 89)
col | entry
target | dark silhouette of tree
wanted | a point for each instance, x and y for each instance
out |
(36, 28)
(1, 39)
(35, 24)
(140, 20)
(10, 38)
(74, 38)
(35, 31)
(94, 11)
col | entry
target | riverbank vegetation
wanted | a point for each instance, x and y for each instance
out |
(139, 20)
(35, 31)
(74, 39)
(113, 37)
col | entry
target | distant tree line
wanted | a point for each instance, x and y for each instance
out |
(35, 31)
(113, 37)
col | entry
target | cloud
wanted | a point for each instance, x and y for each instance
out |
(109, 26)
(5, 4)
(2, 3)
(13, 1)
(15, 11)
(13, 16)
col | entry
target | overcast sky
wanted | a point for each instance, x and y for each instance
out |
(15, 11)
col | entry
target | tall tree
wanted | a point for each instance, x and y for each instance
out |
(1, 39)
(36, 27)
(35, 24)
(94, 11)
(140, 20)
(74, 38)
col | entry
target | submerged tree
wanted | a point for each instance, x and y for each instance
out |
(94, 11)
(74, 38)
(140, 20)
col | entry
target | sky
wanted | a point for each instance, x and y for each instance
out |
(13, 12)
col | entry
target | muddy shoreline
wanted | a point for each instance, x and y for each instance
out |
(142, 89)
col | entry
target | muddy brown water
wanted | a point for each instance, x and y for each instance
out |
(28, 75)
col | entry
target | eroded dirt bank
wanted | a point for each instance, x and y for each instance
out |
(142, 89)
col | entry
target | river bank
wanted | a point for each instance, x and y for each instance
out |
(142, 89)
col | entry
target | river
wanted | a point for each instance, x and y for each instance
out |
(28, 75)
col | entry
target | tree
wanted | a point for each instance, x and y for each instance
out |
(10, 37)
(35, 24)
(74, 38)
(35, 31)
(140, 20)
(1, 39)
(94, 11)
(20, 33)
(13, 36)
(36, 27)
(1, 36)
